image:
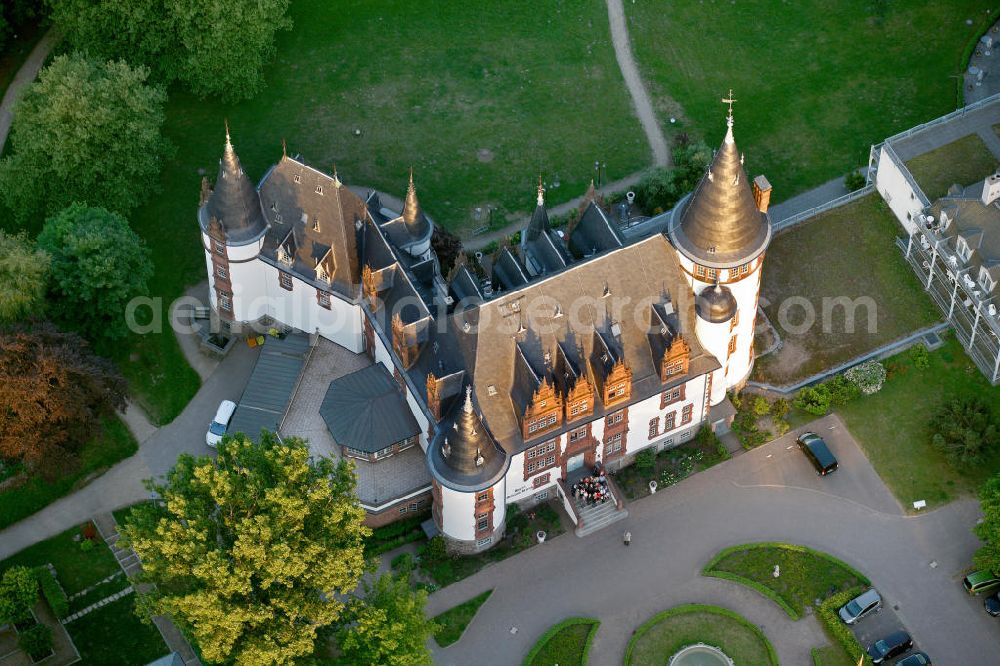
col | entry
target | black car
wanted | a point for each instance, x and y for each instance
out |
(915, 659)
(892, 645)
(817, 452)
(992, 605)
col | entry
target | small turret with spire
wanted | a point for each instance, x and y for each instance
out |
(413, 217)
(234, 201)
(464, 453)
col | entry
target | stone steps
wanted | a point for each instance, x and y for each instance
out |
(598, 516)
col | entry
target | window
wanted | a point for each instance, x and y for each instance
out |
(686, 414)
(356, 453)
(484, 542)
(323, 298)
(985, 281)
(732, 344)
(735, 321)
(541, 449)
(542, 496)
(578, 434)
(616, 391)
(482, 522)
(541, 423)
(578, 408)
(674, 368)
(541, 464)
(225, 302)
(221, 272)
(220, 248)
(542, 480)
(383, 453)
(483, 497)
(613, 444)
(654, 427)
(670, 396)
(414, 506)
(297, 178)
(402, 509)
(739, 271)
(615, 418)
(319, 189)
(963, 249)
(668, 421)
(285, 280)
(406, 443)
(704, 272)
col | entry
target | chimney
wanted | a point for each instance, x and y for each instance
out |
(991, 189)
(761, 192)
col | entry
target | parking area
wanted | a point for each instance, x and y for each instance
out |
(879, 625)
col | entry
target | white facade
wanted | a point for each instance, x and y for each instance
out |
(898, 189)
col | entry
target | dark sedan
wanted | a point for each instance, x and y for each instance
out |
(992, 605)
(892, 645)
(915, 659)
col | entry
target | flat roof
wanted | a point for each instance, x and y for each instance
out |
(272, 382)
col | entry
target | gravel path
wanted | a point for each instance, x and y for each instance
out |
(24, 76)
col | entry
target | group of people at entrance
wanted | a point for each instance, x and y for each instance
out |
(592, 489)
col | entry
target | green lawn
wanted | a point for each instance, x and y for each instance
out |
(816, 82)
(965, 162)
(667, 632)
(831, 655)
(846, 252)
(112, 445)
(114, 636)
(804, 575)
(451, 624)
(892, 426)
(76, 569)
(565, 644)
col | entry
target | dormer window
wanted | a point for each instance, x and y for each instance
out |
(963, 249)
(319, 189)
(297, 178)
(315, 225)
(985, 280)
(284, 256)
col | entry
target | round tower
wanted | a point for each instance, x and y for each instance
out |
(232, 233)
(469, 469)
(721, 232)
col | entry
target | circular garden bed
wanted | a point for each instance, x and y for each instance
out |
(668, 632)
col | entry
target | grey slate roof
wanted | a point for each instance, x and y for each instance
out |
(233, 202)
(272, 382)
(365, 410)
(979, 225)
(464, 455)
(594, 232)
(387, 480)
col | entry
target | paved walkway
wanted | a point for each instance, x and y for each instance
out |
(636, 86)
(24, 76)
(969, 122)
(770, 493)
(990, 64)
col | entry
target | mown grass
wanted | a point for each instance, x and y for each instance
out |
(451, 624)
(892, 426)
(76, 569)
(816, 82)
(564, 644)
(848, 252)
(114, 443)
(831, 655)
(114, 636)
(964, 162)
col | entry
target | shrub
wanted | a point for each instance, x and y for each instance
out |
(854, 180)
(36, 641)
(88, 530)
(86, 545)
(813, 399)
(869, 376)
(435, 550)
(402, 564)
(780, 408)
(837, 630)
(18, 593)
(645, 461)
(54, 595)
(964, 430)
(711, 445)
(842, 390)
(760, 406)
(919, 357)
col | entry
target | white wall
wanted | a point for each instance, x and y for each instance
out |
(904, 201)
(458, 511)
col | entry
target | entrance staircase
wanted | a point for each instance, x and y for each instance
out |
(593, 517)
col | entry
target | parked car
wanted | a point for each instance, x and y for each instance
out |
(219, 424)
(861, 606)
(915, 659)
(978, 582)
(892, 645)
(817, 452)
(992, 605)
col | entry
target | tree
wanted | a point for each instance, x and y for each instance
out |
(447, 246)
(251, 551)
(813, 399)
(988, 531)
(18, 593)
(23, 272)
(98, 265)
(386, 626)
(53, 395)
(85, 131)
(964, 430)
(216, 47)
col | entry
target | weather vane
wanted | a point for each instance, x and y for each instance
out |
(729, 100)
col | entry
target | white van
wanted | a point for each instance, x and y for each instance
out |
(219, 424)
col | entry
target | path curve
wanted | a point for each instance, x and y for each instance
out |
(634, 82)
(24, 76)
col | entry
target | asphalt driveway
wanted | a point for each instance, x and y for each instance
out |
(771, 493)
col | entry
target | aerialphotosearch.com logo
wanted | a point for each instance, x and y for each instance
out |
(797, 314)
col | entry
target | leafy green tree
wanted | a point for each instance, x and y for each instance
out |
(18, 593)
(386, 626)
(85, 131)
(251, 551)
(842, 390)
(98, 265)
(988, 531)
(964, 430)
(760, 406)
(216, 47)
(23, 272)
(813, 399)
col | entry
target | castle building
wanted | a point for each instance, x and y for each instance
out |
(516, 373)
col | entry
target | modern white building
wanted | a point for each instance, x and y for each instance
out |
(518, 372)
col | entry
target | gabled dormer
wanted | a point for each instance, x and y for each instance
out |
(572, 381)
(676, 360)
(612, 374)
(537, 403)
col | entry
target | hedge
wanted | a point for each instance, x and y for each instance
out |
(556, 628)
(835, 627)
(691, 608)
(53, 592)
(395, 534)
(766, 591)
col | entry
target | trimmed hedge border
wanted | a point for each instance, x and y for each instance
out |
(695, 608)
(53, 592)
(556, 628)
(766, 591)
(835, 628)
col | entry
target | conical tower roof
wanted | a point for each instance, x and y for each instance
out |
(539, 223)
(464, 456)
(720, 225)
(416, 222)
(234, 201)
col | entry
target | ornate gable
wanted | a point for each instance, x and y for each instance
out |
(544, 412)
(580, 399)
(618, 384)
(675, 359)
(404, 342)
